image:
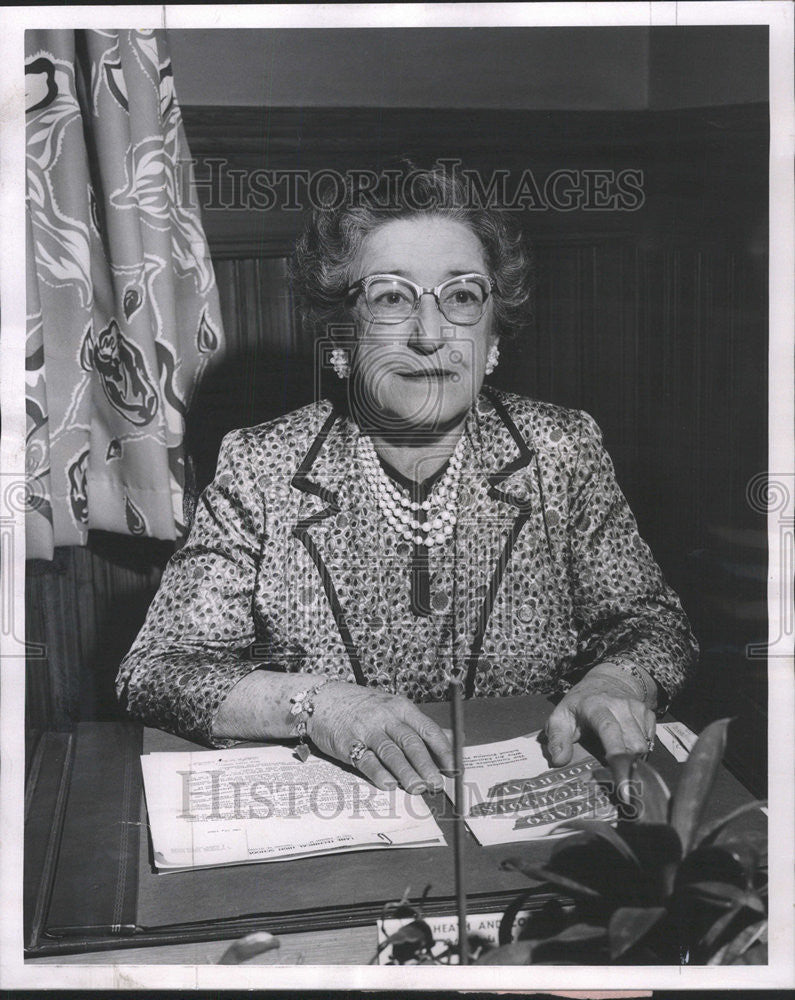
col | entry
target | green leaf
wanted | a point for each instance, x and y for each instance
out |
(621, 765)
(578, 933)
(659, 851)
(649, 795)
(525, 867)
(735, 949)
(543, 875)
(563, 882)
(598, 828)
(749, 851)
(401, 907)
(744, 860)
(697, 779)
(629, 924)
(572, 945)
(653, 843)
(509, 915)
(602, 776)
(708, 831)
(725, 894)
(518, 953)
(416, 933)
(719, 926)
(248, 947)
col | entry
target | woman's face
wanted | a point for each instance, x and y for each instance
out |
(423, 373)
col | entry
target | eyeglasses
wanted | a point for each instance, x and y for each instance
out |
(391, 299)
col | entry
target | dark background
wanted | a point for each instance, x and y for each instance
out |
(653, 320)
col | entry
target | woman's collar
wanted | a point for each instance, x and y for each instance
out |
(501, 452)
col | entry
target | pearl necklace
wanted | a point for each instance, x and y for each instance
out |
(413, 520)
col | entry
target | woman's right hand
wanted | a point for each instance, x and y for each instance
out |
(404, 746)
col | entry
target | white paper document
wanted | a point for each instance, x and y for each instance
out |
(228, 807)
(677, 739)
(511, 794)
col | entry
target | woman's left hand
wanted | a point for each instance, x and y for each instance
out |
(607, 705)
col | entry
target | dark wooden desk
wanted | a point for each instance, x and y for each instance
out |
(342, 946)
(324, 910)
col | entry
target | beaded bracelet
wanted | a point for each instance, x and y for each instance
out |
(636, 672)
(303, 706)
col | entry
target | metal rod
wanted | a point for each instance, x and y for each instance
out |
(459, 831)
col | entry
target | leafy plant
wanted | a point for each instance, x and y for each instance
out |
(665, 885)
(414, 942)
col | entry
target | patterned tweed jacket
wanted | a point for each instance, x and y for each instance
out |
(290, 566)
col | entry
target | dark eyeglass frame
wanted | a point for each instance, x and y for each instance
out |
(364, 283)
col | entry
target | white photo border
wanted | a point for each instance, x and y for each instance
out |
(778, 15)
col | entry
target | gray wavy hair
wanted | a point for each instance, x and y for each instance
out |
(321, 269)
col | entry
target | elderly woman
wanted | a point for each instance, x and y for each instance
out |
(349, 561)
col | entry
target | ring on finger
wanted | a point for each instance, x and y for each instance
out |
(356, 752)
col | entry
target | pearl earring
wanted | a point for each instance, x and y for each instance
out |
(493, 359)
(339, 362)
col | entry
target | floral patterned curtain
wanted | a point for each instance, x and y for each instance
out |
(122, 308)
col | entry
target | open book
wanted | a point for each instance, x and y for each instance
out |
(230, 807)
(511, 794)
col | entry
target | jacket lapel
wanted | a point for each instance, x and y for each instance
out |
(321, 478)
(507, 499)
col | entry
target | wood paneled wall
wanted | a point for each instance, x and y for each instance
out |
(85, 608)
(655, 321)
